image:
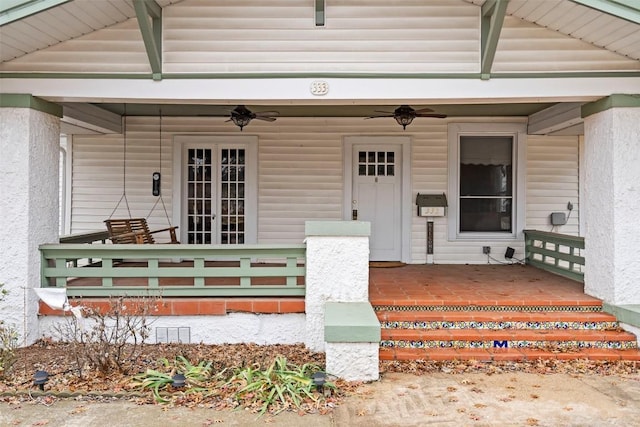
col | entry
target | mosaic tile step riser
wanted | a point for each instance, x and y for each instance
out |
(475, 308)
(498, 325)
(489, 345)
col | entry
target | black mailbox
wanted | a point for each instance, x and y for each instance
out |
(431, 204)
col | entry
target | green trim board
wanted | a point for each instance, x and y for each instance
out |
(14, 10)
(613, 101)
(626, 313)
(149, 15)
(337, 228)
(350, 322)
(336, 75)
(629, 10)
(24, 100)
(492, 18)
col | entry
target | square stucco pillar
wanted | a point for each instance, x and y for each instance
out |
(337, 270)
(29, 143)
(612, 199)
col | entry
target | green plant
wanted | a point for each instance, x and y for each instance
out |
(197, 378)
(276, 388)
(8, 342)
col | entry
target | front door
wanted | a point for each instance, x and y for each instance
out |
(377, 195)
(214, 208)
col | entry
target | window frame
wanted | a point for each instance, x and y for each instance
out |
(518, 131)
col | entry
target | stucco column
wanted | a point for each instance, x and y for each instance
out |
(29, 156)
(337, 270)
(612, 199)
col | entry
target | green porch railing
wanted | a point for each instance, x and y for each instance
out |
(174, 270)
(554, 252)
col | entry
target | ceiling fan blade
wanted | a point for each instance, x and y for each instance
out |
(424, 110)
(266, 119)
(268, 113)
(434, 115)
(376, 117)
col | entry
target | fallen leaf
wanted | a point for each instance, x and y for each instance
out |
(532, 422)
(534, 396)
(361, 412)
(451, 389)
(480, 405)
(568, 408)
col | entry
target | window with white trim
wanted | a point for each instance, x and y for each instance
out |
(486, 178)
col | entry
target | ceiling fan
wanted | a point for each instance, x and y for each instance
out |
(241, 116)
(404, 115)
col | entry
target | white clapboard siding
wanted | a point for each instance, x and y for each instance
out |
(527, 47)
(300, 176)
(359, 36)
(552, 182)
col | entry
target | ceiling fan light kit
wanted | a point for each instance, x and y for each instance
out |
(241, 116)
(404, 115)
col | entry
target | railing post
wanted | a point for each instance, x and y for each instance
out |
(338, 272)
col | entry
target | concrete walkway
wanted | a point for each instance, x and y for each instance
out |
(514, 399)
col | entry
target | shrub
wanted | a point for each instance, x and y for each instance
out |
(109, 340)
(8, 342)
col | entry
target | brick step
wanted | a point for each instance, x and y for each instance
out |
(504, 334)
(522, 354)
(490, 305)
(493, 316)
(500, 324)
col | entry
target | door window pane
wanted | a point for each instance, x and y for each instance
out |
(232, 179)
(376, 163)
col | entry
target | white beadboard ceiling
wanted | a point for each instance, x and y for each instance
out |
(64, 22)
(580, 22)
(76, 18)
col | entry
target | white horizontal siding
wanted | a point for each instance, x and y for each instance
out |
(300, 176)
(552, 182)
(527, 47)
(359, 36)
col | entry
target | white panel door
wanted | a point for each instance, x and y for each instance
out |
(377, 191)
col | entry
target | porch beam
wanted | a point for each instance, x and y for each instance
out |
(93, 118)
(492, 18)
(555, 118)
(149, 15)
(629, 10)
(14, 10)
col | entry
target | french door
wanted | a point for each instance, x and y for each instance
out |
(218, 203)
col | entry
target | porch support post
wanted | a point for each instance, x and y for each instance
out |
(337, 281)
(30, 147)
(612, 199)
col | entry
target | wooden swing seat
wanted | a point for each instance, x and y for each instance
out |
(135, 231)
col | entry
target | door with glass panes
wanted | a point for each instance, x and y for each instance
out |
(377, 192)
(214, 194)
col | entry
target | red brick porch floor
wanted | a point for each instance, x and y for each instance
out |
(473, 285)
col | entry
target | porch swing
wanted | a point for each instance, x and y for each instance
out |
(136, 230)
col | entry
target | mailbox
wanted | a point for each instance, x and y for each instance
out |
(431, 204)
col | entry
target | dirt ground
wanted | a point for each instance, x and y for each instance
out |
(398, 399)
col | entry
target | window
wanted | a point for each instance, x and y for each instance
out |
(484, 176)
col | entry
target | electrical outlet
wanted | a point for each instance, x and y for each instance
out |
(486, 250)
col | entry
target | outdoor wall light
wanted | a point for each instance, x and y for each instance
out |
(178, 380)
(40, 378)
(319, 379)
